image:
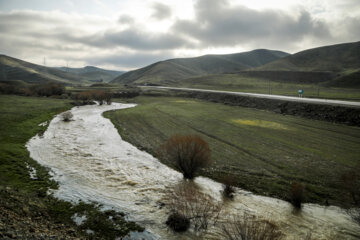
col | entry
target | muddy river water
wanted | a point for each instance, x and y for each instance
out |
(91, 162)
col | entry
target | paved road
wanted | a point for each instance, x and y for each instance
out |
(268, 96)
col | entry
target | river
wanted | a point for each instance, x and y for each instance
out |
(90, 161)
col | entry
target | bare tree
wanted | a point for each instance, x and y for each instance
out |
(187, 153)
(249, 227)
(228, 184)
(108, 98)
(85, 97)
(189, 203)
(351, 183)
(99, 96)
(296, 194)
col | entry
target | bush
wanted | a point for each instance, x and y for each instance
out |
(178, 222)
(186, 153)
(350, 181)
(198, 208)
(67, 116)
(229, 189)
(249, 227)
(296, 194)
(85, 97)
(47, 90)
(98, 95)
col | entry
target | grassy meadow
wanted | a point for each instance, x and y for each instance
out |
(262, 151)
(237, 83)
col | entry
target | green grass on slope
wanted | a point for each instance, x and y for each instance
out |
(236, 83)
(20, 118)
(263, 151)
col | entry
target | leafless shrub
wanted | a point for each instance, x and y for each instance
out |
(108, 98)
(201, 209)
(249, 227)
(187, 153)
(99, 96)
(296, 194)
(355, 213)
(67, 116)
(178, 222)
(351, 183)
(85, 97)
(229, 189)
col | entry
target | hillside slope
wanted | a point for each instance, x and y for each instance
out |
(335, 58)
(93, 74)
(13, 69)
(341, 62)
(172, 70)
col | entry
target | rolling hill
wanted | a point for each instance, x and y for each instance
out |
(338, 58)
(12, 69)
(93, 74)
(173, 70)
(340, 62)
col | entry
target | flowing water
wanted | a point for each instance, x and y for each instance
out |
(91, 162)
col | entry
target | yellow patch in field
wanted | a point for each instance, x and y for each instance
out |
(260, 123)
(183, 101)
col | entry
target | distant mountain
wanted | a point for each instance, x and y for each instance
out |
(12, 69)
(93, 74)
(173, 70)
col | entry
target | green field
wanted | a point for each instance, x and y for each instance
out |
(236, 83)
(25, 197)
(20, 118)
(263, 151)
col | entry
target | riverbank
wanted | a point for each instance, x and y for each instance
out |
(26, 210)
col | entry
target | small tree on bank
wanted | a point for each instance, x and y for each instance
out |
(67, 116)
(296, 194)
(187, 154)
(228, 185)
(350, 181)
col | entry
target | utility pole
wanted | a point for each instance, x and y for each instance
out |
(44, 61)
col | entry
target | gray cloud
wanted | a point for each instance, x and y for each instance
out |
(128, 43)
(161, 11)
(126, 19)
(136, 39)
(29, 33)
(131, 59)
(219, 24)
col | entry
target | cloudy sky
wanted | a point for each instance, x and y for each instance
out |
(127, 34)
